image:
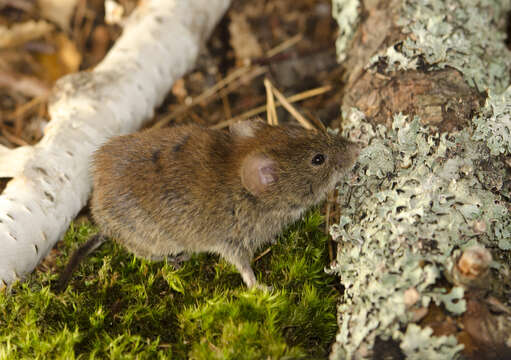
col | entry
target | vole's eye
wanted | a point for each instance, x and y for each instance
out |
(318, 159)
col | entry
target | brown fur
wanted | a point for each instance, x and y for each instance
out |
(184, 189)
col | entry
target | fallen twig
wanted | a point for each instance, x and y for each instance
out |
(208, 94)
(261, 255)
(271, 110)
(260, 109)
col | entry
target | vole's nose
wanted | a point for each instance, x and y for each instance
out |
(356, 148)
(348, 155)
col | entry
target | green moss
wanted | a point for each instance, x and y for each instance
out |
(118, 306)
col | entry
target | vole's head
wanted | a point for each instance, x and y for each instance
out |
(294, 164)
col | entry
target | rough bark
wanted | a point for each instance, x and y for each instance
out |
(423, 240)
(50, 182)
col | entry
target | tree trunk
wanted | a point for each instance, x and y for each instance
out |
(50, 182)
(424, 235)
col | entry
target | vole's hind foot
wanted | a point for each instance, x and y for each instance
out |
(254, 284)
(177, 260)
(242, 263)
(247, 274)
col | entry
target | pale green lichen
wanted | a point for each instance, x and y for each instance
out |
(395, 60)
(493, 124)
(377, 161)
(467, 35)
(454, 301)
(415, 200)
(442, 347)
(419, 199)
(345, 12)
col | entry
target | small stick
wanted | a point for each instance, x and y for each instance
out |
(262, 254)
(271, 111)
(13, 139)
(21, 110)
(205, 95)
(287, 105)
(316, 121)
(225, 101)
(79, 15)
(244, 79)
(260, 109)
(226, 105)
(222, 83)
(196, 117)
(27, 85)
(286, 44)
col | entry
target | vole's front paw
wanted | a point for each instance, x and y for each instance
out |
(177, 260)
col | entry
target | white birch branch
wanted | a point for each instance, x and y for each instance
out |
(50, 181)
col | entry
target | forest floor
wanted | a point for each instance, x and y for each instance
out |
(118, 306)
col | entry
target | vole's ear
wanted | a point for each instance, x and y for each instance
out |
(246, 128)
(258, 172)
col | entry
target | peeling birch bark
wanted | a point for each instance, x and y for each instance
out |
(50, 181)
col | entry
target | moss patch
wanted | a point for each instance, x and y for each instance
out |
(118, 306)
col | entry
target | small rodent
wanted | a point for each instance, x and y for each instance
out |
(170, 192)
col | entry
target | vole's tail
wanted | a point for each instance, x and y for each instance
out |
(92, 244)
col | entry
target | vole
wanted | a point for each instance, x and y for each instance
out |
(162, 193)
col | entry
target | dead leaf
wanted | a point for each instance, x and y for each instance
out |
(19, 34)
(66, 59)
(243, 40)
(57, 11)
(69, 53)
